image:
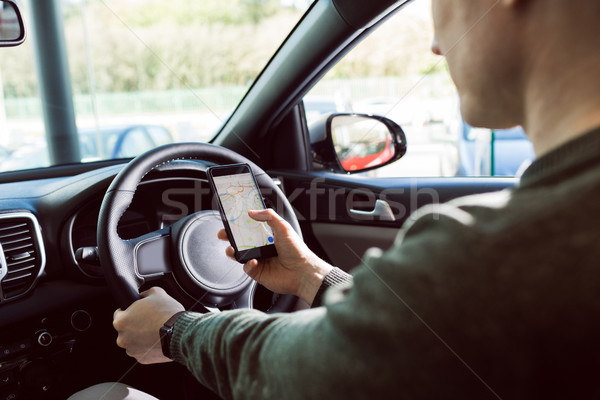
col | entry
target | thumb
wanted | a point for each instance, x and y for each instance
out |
(275, 222)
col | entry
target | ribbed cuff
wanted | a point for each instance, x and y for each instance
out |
(182, 322)
(335, 277)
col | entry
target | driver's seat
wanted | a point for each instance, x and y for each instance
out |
(111, 391)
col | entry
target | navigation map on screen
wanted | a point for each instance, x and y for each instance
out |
(238, 194)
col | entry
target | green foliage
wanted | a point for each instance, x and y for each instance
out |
(156, 45)
(152, 45)
(401, 47)
(17, 72)
(187, 12)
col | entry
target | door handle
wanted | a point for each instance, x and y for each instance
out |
(381, 212)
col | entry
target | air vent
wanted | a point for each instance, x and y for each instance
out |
(22, 257)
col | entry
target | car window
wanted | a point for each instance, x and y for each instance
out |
(176, 69)
(393, 73)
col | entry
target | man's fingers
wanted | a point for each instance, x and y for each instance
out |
(229, 252)
(117, 321)
(222, 234)
(250, 268)
(152, 290)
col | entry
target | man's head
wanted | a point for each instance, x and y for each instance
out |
(501, 52)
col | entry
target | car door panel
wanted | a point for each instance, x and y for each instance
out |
(345, 246)
(324, 201)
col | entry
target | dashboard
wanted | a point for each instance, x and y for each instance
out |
(56, 311)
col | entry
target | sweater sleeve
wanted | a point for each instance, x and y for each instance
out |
(373, 339)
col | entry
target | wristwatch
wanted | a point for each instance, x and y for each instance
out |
(165, 332)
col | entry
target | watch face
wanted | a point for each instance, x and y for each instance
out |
(165, 340)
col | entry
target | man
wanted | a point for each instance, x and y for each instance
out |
(494, 297)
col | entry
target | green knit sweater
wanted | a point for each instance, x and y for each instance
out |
(486, 297)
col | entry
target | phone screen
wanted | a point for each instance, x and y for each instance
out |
(238, 193)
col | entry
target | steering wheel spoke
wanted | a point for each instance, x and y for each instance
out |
(151, 254)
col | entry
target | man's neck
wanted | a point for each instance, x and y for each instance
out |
(562, 100)
(551, 133)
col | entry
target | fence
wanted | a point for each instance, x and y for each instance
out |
(216, 99)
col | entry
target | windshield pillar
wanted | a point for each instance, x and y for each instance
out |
(54, 81)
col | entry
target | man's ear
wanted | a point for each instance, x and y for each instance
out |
(518, 4)
(514, 3)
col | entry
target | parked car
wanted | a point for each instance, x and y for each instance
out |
(95, 144)
(121, 141)
(4, 153)
(510, 149)
(317, 107)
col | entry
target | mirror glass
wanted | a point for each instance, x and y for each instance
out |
(361, 142)
(11, 28)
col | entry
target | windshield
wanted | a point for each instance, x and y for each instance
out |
(142, 73)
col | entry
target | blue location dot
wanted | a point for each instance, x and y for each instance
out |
(270, 239)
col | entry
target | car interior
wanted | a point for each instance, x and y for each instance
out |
(80, 239)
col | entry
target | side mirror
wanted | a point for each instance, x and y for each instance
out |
(12, 29)
(351, 143)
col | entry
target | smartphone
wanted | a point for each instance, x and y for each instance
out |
(237, 192)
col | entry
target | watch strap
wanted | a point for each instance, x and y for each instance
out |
(335, 277)
(166, 332)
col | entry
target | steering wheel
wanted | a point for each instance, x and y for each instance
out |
(187, 256)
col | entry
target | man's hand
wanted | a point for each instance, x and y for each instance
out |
(296, 270)
(139, 324)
